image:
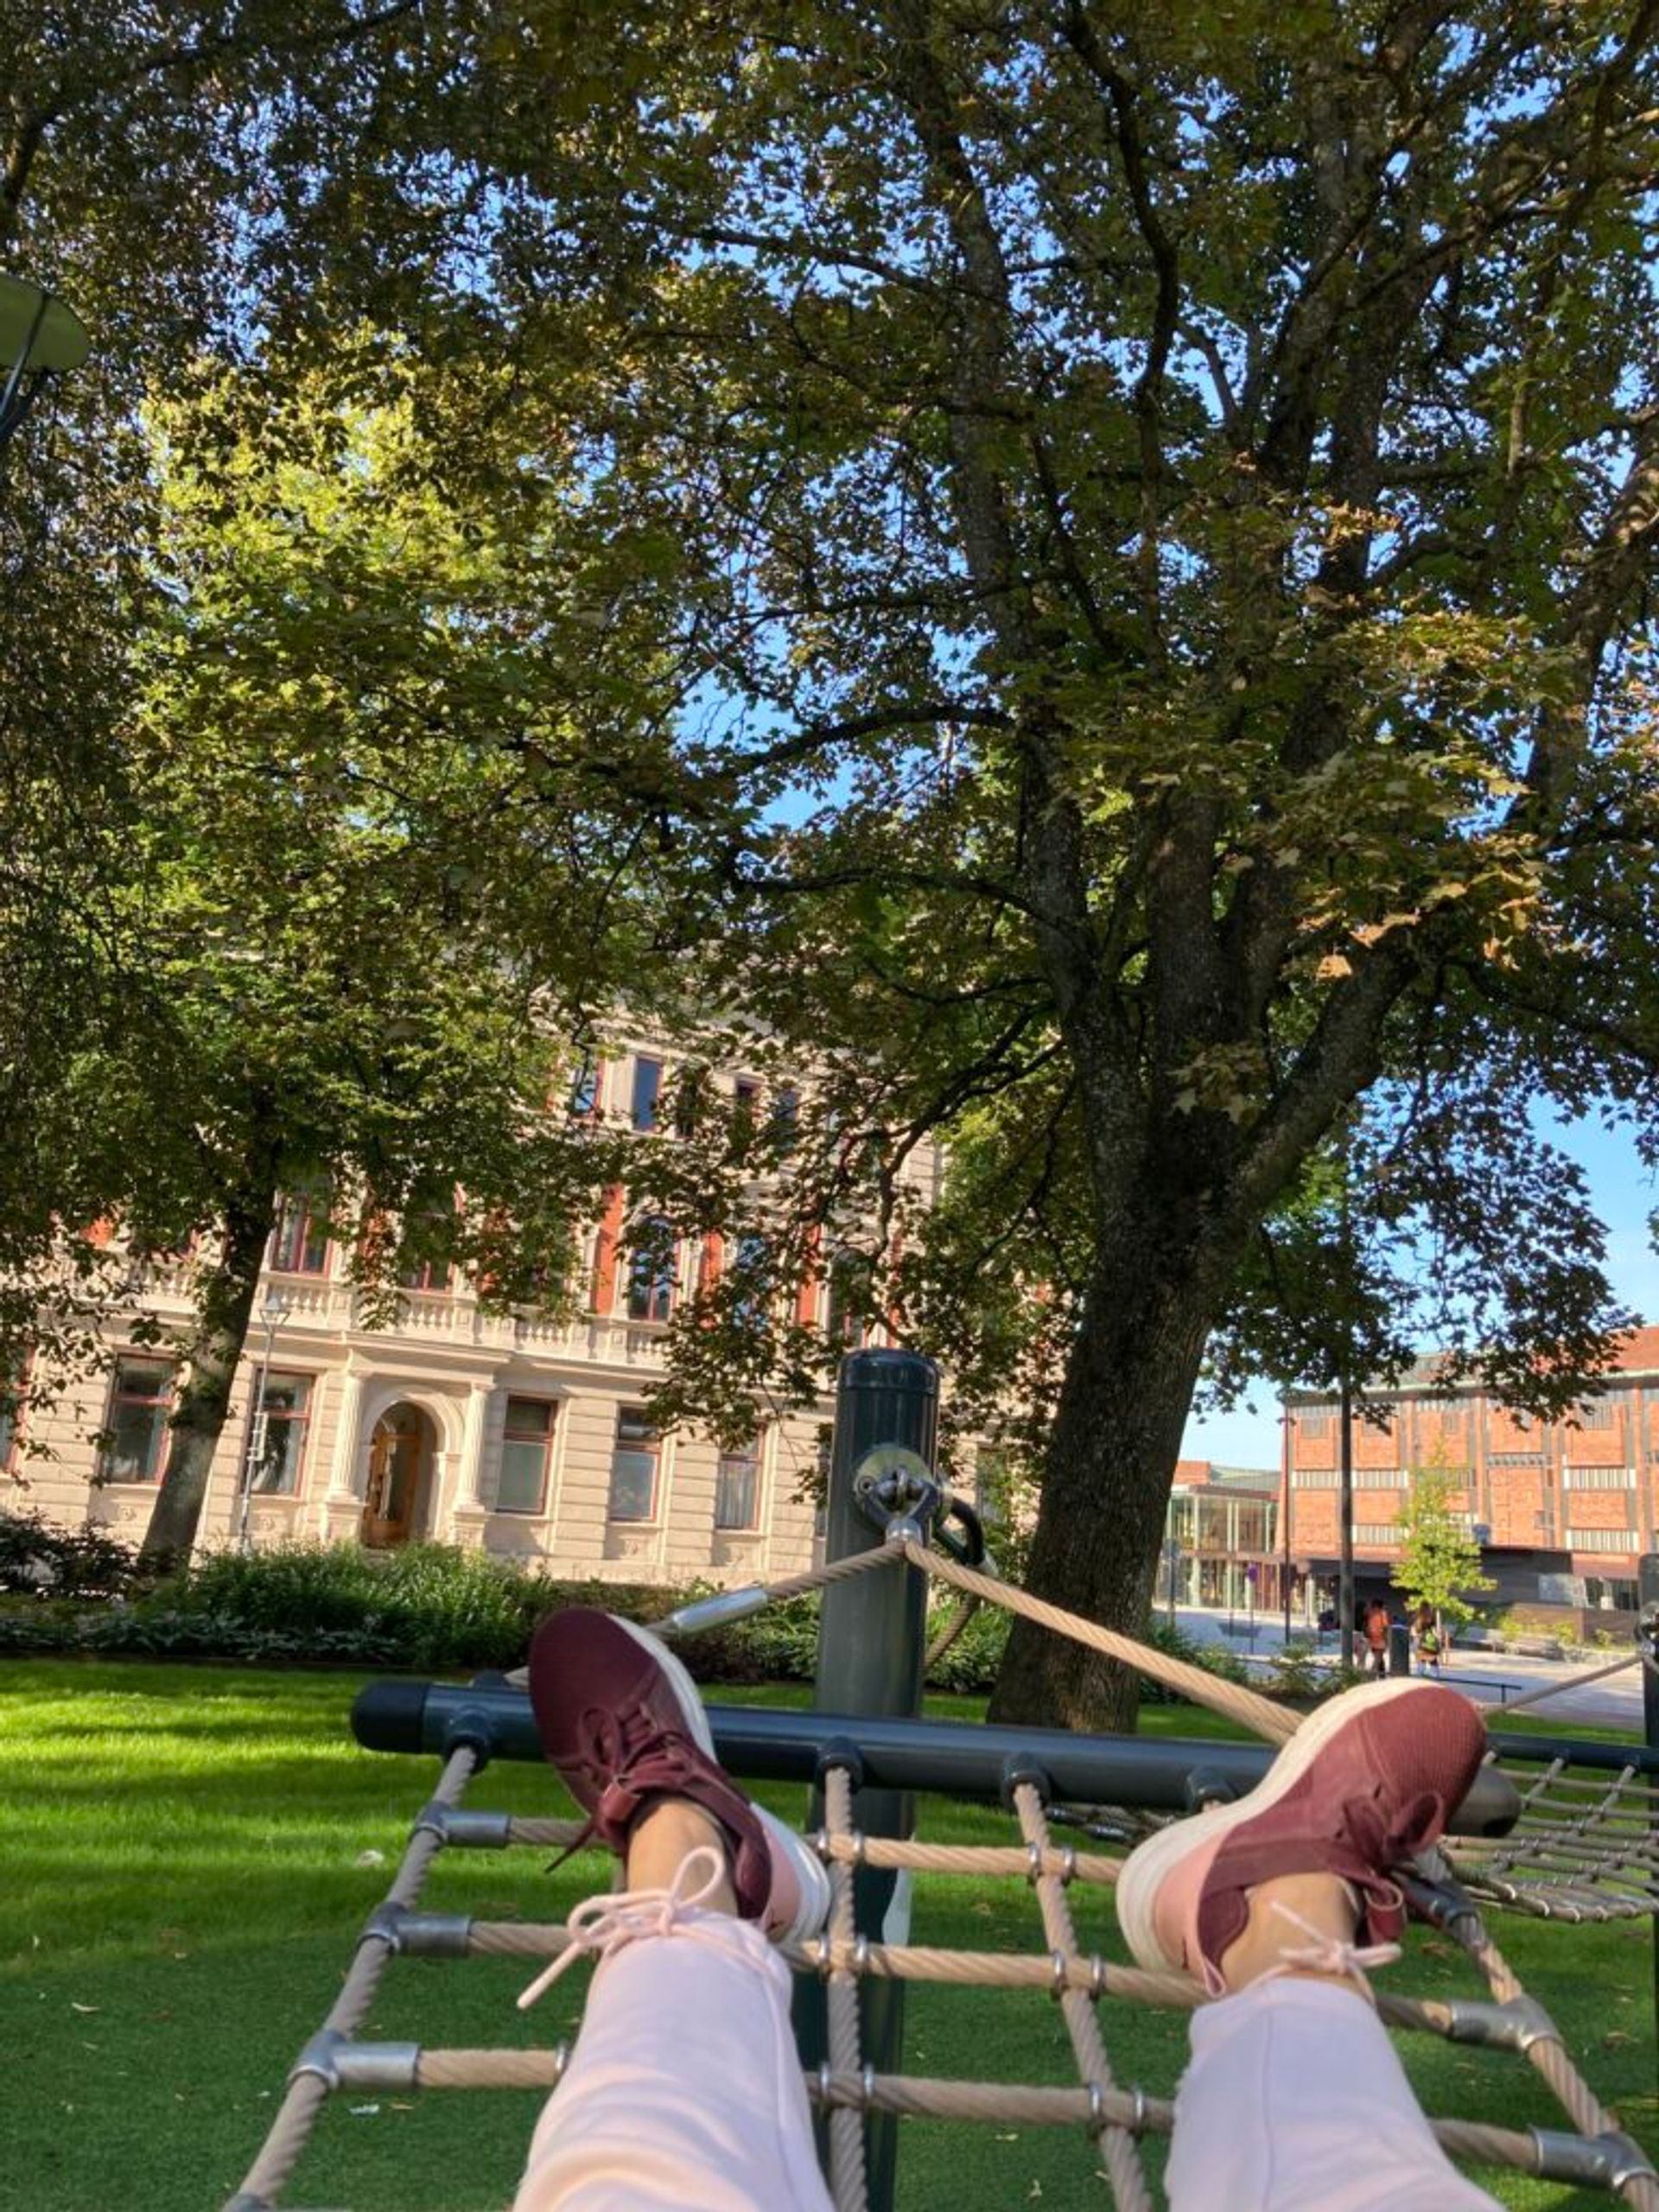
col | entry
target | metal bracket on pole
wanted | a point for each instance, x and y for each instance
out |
(894, 1490)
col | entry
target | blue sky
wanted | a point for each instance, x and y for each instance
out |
(1623, 1193)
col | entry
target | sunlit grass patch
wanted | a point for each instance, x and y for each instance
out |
(188, 1855)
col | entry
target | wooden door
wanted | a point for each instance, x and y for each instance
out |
(394, 1477)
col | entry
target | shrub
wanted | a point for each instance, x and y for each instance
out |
(1214, 1658)
(38, 1556)
(969, 1666)
(429, 1605)
(435, 1608)
(1295, 1674)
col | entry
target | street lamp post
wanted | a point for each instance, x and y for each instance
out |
(273, 1313)
(1285, 1420)
(40, 337)
(1345, 1524)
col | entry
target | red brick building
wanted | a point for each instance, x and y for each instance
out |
(1562, 1509)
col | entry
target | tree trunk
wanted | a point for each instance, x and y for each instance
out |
(224, 1302)
(1106, 1482)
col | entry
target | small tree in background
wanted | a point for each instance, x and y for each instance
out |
(1440, 1560)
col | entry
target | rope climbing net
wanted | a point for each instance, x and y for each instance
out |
(1568, 1838)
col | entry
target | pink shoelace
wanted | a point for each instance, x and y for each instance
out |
(1332, 1955)
(603, 1925)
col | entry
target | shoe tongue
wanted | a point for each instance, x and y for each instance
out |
(1383, 1843)
(666, 1771)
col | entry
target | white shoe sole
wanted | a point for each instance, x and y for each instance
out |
(1147, 1866)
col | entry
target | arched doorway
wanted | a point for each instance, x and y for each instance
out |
(400, 1478)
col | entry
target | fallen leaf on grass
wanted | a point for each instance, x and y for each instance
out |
(73, 2007)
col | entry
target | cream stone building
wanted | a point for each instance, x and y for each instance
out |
(524, 1435)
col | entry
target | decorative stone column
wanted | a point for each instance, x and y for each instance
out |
(469, 1514)
(342, 1507)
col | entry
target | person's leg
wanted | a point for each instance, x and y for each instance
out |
(684, 2092)
(1295, 2100)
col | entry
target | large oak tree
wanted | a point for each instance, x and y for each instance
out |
(1148, 513)
(1162, 501)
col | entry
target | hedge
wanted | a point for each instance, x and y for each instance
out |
(425, 1608)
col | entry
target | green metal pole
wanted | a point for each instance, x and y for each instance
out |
(1647, 1592)
(872, 1640)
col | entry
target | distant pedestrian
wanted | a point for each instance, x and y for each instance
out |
(1376, 1638)
(1427, 1640)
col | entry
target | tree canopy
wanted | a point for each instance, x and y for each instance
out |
(1440, 1560)
(1143, 521)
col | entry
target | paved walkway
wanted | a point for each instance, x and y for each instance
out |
(1494, 1678)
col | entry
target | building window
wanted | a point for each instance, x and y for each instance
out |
(994, 1480)
(427, 1270)
(1381, 1478)
(751, 1280)
(141, 1397)
(1376, 1532)
(1601, 1540)
(584, 1088)
(822, 1468)
(426, 1274)
(633, 1465)
(1598, 1412)
(526, 1454)
(1599, 1477)
(647, 1091)
(745, 1112)
(14, 1390)
(737, 1487)
(785, 1121)
(845, 1322)
(279, 1433)
(1315, 1425)
(690, 1092)
(1316, 1479)
(299, 1242)
(650, 1271)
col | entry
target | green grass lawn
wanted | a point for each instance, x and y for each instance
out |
(182, 1855)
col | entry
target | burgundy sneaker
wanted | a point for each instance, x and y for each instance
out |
(621, 1720)
(1368, 1781)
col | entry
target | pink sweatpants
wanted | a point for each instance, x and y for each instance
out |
(1295, 2102)
(684, 2094)
(684, 2091)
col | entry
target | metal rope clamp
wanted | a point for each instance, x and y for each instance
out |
(896, 1491)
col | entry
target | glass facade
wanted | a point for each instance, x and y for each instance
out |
(1220, 1551)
